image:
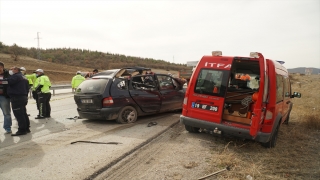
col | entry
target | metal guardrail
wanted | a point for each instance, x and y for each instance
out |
(56, 87)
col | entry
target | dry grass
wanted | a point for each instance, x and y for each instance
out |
(297, 153)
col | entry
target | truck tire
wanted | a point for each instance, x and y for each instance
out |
(128, 114)
(192, 129)
(273, 140)
(287, 119)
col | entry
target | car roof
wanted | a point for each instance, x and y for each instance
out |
(127, 71)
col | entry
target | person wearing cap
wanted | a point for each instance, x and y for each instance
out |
(77, 80)
(44, 94)
(4, 100)
(18, 89)
(23, 72)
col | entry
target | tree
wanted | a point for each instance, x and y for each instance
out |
(15, 52)
(1, 46)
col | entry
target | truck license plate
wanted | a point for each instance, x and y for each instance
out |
(204, 107)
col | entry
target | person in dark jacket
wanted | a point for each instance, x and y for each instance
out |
(18, 89)
(4, 100)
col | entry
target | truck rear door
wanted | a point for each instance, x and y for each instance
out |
(207, 89)
(260, 105)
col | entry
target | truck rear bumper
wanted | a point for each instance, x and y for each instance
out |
(225, 130)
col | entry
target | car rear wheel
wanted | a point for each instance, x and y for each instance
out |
(192, 129)
(127, 114)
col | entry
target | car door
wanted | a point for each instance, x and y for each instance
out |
(145, 93)
(287, 104)
(171, 94)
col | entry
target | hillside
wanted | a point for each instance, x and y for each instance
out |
(302, 70)
(87, 58)
(58, 73)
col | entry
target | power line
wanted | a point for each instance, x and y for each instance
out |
(38, 49)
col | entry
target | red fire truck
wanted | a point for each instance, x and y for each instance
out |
(247, 97)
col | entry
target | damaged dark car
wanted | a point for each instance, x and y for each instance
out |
(124, 94)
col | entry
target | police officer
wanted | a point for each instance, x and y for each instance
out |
(18, 89)
(77, 80)
(33, 78)
(44, 94)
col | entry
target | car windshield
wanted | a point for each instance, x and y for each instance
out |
(92, 86)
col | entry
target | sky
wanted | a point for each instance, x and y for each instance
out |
(175, 31)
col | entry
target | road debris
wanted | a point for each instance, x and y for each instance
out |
(116, 143)
(152, 124)
(72, 118)
(227, 168)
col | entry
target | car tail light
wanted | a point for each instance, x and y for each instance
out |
(107, 101)
(185, 100)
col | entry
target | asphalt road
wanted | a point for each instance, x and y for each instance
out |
(47, 152)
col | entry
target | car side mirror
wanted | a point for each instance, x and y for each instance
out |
(296, 94)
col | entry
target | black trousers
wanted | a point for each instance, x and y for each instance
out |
(44, 105)
(19, 104)
(35, 97)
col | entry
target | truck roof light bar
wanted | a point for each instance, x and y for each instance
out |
(254, 54)
(216, 53)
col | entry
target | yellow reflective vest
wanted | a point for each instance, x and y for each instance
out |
(77, 80)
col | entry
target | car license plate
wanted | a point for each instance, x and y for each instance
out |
(204, 106)
(86, 101)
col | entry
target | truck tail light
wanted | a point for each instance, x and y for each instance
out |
(108, 101)
(185, 100)
(269, 115)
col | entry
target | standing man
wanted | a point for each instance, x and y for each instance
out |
(4, 100)
(44, 94)
(18, 89)
(77, 80)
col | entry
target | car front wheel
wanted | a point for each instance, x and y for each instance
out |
(127, 114)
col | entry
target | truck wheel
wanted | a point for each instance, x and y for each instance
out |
(272, 142)
(128, 114)
(287, 119)
(192, 129)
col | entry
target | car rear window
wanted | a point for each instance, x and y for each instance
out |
(212, 82)
(92, 86)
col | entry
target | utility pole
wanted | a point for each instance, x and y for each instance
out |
(38, 49)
